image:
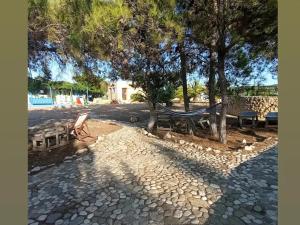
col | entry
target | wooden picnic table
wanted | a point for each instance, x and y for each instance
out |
(248, 115)
(49, 137)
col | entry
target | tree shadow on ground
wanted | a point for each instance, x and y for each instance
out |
(250, 196)
(249, 191)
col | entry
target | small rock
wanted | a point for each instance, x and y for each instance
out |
(85, 203)
(81, 151)
(90, 216)
(68, 157)
(244, 141)
(167, 136)
(153, 205)
(195, 221)
(82, 213)
(137, 188)
(200, 147)
(257, 208)
(42, 217)
(181, 142)
(36, 169)
(59, 222)
(117, 211)
(92, 145)
(74, 216)
(237, 202)
(178, 213)
(98, 203)
(187, 213)
(248, 148)
(120, 216)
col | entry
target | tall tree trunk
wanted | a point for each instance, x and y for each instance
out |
(152, 123)
(183, 77)
(223, 89)
(212, 93)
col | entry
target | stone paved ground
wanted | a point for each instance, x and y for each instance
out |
(129, 178)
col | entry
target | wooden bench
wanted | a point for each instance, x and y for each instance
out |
(50, 138)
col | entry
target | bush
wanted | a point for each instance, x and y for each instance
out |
(137, 97)
(194, 90)
(166, 94)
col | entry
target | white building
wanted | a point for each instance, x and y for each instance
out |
(121, 91)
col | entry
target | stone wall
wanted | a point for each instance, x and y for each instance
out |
(260, 104)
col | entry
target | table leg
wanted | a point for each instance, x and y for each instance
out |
(240, 121)
(44, 145)
(253, 122)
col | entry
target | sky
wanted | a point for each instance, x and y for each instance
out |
(67, 74)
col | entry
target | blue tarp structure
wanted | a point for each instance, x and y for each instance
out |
(40, 101)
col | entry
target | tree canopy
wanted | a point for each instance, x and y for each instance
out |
(157, 44)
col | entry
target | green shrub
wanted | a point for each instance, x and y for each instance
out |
(166, 94)
(194, 90)
(137, 97)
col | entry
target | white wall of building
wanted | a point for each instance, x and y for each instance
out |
(118, 95)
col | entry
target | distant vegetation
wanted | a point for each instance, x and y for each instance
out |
(35, 85)
(271, 90)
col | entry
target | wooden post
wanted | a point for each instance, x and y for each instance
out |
(34, 144)
(44, 140)
(68, 130)
(57, 138)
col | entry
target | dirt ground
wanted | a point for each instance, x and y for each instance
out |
(259, 136)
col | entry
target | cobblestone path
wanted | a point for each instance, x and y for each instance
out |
(129, 178)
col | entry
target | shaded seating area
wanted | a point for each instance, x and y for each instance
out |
(55, 134)
(187, 122)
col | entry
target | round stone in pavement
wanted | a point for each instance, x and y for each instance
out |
(178, 213)
(78, 220)
(42, 218)
(53, 217)
(59, 222)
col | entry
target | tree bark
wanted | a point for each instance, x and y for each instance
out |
(212, 93)
(183, 77)
(152, 123)
(223, 89)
